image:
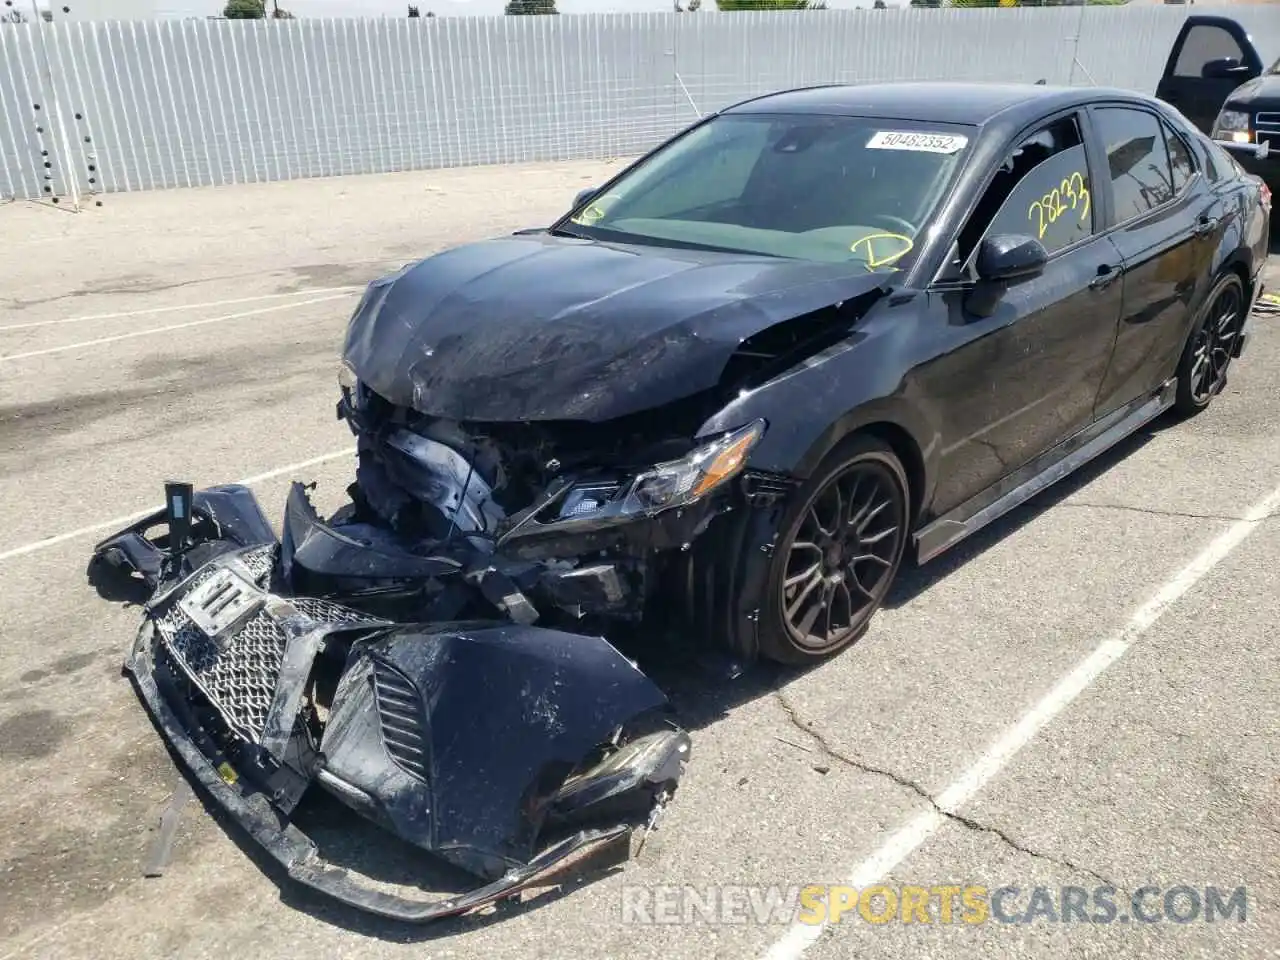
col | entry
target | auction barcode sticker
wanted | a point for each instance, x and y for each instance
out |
(926, 142)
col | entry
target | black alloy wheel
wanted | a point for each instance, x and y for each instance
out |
(1202, 372)
(840, 550)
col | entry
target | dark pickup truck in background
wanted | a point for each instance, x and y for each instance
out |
(1220, 82)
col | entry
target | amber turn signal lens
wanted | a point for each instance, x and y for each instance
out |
(726, 463)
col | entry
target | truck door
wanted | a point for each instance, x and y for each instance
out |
(1209, 59)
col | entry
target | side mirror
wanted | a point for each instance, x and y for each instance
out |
(583, 196)
(1009, 257)
(1224, 68)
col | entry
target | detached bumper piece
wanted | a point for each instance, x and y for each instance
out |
(503, 749)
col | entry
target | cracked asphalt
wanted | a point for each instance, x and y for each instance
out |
(195, 334)
(913, 786)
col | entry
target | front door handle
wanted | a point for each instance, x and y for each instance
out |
(1206, 225)
(1107, 275)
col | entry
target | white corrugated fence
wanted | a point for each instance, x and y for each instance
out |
(113, 106)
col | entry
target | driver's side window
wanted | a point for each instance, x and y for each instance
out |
(1042, 190)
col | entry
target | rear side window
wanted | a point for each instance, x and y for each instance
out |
(1137, 160)
(1204, 43)
(1215, 164)
(1181, 165)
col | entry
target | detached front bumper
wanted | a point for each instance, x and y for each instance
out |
(253, 811)
(503, 749)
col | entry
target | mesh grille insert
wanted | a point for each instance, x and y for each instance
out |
(239, 679)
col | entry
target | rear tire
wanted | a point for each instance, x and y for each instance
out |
(838, 551)
(1202, 369)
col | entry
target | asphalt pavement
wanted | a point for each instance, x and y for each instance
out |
(1085, 696)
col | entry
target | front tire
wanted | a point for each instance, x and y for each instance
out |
(838, 551)
(1202, 370)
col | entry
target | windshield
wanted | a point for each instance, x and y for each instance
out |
(819, 188)
(1275, 67)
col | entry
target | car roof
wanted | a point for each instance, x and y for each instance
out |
(970, 103)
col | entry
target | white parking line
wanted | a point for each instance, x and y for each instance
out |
(900, 844)
(151, 311)
(166, 329)
(117, 522)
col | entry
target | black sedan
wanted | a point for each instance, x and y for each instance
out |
(728, 393)
(815, 332)
(811, 335)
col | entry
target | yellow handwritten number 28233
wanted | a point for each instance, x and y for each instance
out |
(1053, 205)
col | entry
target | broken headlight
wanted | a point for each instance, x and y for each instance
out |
(674, 483)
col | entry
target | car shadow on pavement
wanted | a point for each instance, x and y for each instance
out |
(914, 579)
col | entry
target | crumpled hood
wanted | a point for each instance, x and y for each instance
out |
(537, 327)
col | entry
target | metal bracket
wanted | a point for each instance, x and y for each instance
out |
(222, 602)
(304, 638)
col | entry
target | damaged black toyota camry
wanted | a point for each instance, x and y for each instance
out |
(727, 395)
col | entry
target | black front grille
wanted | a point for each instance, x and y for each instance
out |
(240, 678)
(1268, 127)
(400, 715)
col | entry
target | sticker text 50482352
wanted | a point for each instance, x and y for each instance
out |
(921, 142)
(1072, 194)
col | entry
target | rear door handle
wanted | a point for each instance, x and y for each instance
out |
(1107, 275)
(1206, 225)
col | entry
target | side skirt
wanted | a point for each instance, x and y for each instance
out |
(1044, 471)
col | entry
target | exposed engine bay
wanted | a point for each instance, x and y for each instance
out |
(432, 654)
(537, 519)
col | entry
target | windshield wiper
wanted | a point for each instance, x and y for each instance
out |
(562, 232)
